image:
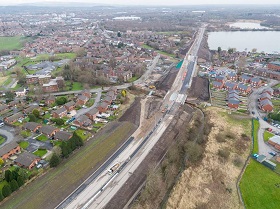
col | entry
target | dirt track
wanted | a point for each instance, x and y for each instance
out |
(139, 176)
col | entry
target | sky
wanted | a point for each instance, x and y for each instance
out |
(149, 2)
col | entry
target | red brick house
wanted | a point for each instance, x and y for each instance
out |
(268, 90)
(32, 126)
(113, 89)
(230, 85)
(233, 103)
(27, 160)
(220, 79)
(48, 130)
(70, 106)
(245, 78)
(9, 150)
(14, 118)
(108, 99)
(92, 113)
(63, 135)
(264, 96)
(266, 105)
(103, 107)
(274, 66)
(83, 121)
(50, 100)
(232, 76)
(256, 81)
(218, 85)
(86, 93)
(82, 100)
(243, 88)
(3, 108)
(59, 113)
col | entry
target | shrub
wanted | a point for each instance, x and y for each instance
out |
(229, 134)
(6, 190)
(54, 161)
(237, 161)
(220, 137)
(14, 185)
(224, 153)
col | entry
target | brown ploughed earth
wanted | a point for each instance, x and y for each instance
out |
(166, 82)
(199, 89)
(212, 183)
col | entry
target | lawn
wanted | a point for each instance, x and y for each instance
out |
(83, 134)
(66, 55)
(11, 43)
(90, 102)
(2, 140)
(267, 135)
(24, 144)
(40, 152)
(7, 81)
(134, 78)
(25, 133)
(145, 46)
(255, 133)
(42, 137)
(70, 173)
(75, 86)
(3, 79)
(258, 187)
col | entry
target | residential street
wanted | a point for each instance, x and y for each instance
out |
(253, 106)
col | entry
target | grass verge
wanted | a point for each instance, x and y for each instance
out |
(255, 134)
(258, 187)
(69, 174)
(267, 135)
(24, 144)
(40, 152)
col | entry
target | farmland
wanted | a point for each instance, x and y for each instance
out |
(259, 187)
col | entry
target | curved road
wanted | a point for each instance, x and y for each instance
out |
(8, 134)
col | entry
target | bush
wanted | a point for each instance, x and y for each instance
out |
(220, 137)
(54, 161)
(229, 134)
(6, 190)
(237, 161)
(224, 153)
(14, 185)
(1, 196)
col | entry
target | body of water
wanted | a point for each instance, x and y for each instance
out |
(267, 41)
(247, 25)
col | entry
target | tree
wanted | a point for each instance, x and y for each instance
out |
(36, 113)
(14, 185)
(230, 50)
(15, 174)
(1, 161)
(6, 190)
(80, 52)
(59, 121)
(254, 50)
(119, 34)
(32, 118)
(61, 100)
(20, 181)
(124, 93)
(23, 174)
(8, 175)
(9, 96)
(1, 196)
(219, 49)
(54, 161)
(57, 150)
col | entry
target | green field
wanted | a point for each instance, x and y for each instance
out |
(267, 135)
(74, 86)
(258, 187)
(145, 46)
(70, 173)
(11, 43)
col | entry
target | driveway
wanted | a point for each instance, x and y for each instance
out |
(35, 144)
(253, 106)
(8, 132)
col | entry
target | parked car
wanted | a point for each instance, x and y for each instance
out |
(273, 153)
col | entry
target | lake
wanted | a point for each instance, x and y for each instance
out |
(247, 25)
(267, 41)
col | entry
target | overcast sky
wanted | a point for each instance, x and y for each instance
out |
(149, 2)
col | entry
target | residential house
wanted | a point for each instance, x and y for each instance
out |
(243, 88)
(103, 107)
(86, 93)
(274, 66)
(232, 76)
(49, 131)
(108, 99)
(83, 121)
(275, 142)
(50, 100)
(268, 90)
(3, 108)
(264, 96)
(218, 85)
(113, 89)
(92, 113)
(245, 78)
(70, 106)
(111, 94)
(233, 95)
(230, 85)
(220, 79)
(27, 160)
(233, 103)
(63, 135)
(14, 118)
(52, 86)
(256, 81)
(59, 113)
(30, 109)
(266, 105)
(9, 150)
(21, 92)
(82, 100)
(32, 126)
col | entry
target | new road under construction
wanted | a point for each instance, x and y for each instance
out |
(96, 191)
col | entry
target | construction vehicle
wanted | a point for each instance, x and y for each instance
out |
(114, 168)
(152, 87)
